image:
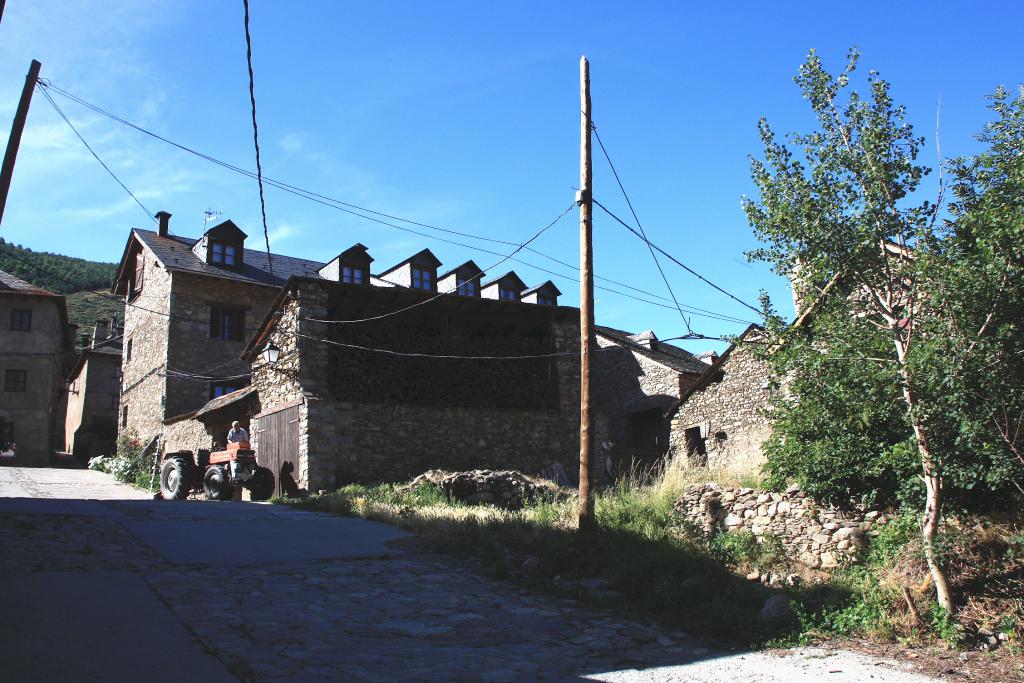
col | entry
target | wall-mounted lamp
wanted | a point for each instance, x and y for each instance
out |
(271, 353)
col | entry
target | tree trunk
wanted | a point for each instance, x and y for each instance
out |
(933, 487)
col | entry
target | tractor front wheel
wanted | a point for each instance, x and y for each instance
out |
(215, 483)
(261, 484)
(175, 478)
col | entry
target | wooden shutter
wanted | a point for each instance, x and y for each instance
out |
(215, 314)
(140, 271)
(238, 325)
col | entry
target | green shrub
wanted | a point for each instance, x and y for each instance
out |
(129, 465)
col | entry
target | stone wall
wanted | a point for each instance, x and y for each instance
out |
(729, 410)
(371, 416)
(145, 329)
(817, 536)
(32, 413)
(90, 425)
(192, 350)
(187, 435)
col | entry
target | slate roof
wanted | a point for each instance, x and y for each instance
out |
(9, 283)
(225, 400)
(670, 356)
(549, 285)
(175, 253)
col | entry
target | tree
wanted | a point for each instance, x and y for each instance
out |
(902, 307)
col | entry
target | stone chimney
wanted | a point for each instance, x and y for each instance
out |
(165, 223)
(99, 333)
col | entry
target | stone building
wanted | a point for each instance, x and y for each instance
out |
(638, 381)
(721, 421)
(190, 305)
(33, 340)
(461, 382)
(93, 394)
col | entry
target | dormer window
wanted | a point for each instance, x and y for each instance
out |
(467, 288)
(223, 254)
(422, 279)
(221, 246)
(505, 288)
(542, 295)
(416, 272)
(350, 267)
(462, 280)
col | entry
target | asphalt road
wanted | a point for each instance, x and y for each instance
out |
(99, 583)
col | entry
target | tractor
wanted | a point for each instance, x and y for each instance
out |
(218, 474)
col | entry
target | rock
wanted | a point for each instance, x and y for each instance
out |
(829, 561)
(792, 580)
(732, 520)
(754, 576)
(872, 515)
(776, 609)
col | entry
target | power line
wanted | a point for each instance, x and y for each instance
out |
(340, 205)
(256, 135)
(96, 156)
(639, 225)
(430, 355)
(674, 259)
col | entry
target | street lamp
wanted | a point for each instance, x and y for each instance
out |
(271, 353)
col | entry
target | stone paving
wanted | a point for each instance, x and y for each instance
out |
(396, 616)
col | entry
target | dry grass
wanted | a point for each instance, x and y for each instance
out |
(677, 474)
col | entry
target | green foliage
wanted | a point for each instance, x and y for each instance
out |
(129, 464)
(57, 273)
(933, 340)
(86, 307)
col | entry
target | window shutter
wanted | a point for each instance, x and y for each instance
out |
(140, 271)
(238, 325)
(215, 323)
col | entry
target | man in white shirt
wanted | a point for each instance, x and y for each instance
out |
(237, 433)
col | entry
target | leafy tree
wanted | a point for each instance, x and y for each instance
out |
(907, 319)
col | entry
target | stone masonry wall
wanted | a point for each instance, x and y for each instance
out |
(730, 413)
(145, 328)
(378, 436)
(819, 537)
(187, 435)
(192, 350)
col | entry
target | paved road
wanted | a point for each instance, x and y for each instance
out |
(99, 583)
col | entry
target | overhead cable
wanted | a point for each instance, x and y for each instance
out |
(256, 135)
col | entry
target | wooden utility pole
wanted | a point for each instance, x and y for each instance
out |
(585, 199)
(7, 171)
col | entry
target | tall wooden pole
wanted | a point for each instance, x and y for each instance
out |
(7, 170)
(585, 200)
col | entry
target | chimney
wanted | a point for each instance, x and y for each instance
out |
(646, 338)
(99, 333)
(165, 222)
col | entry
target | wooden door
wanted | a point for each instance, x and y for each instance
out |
(278, 447)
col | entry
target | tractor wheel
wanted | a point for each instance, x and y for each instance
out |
(175, 478)
(261, 484)
(215, 484)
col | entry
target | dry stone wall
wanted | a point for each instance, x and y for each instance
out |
(817, 536)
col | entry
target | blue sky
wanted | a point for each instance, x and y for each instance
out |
(465, 115)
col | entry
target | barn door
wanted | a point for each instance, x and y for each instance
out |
(279, 448)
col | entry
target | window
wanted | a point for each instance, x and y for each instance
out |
(128, 351)
(227, 323)
(223, 254)
(21, 320)
(422, 279)
(508, 295)
(15, 380)
(352, 276)
(467, 288)
(545, 300)
(6, 436)
(124, 416)
(218, 389)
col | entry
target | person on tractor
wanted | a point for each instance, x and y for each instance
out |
(237, 433)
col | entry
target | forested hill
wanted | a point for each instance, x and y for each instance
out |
(86, 284)
(57, 273)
